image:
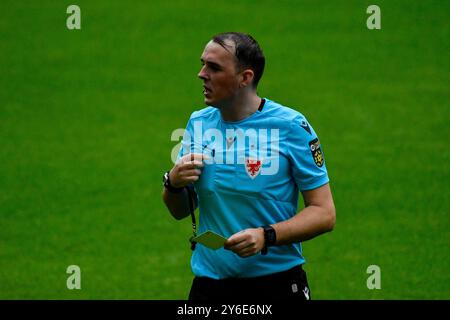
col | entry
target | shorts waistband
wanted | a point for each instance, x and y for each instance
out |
(272, 276)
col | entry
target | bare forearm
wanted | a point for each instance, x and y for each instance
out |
(319, 216)
(307, 224)
(177, 203)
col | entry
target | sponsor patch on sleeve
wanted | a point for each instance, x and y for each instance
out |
(316, 152)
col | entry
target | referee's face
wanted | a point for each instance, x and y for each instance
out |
(219, 74)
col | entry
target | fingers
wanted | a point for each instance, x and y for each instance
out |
(187, 169)
(192, 160)
(191, 179)
(192, 165)
(190, 157)
(186, 175)
(236, 239)
(242, 247)
(245, 249)
(246, 243)
(248, 252)
(189, 173)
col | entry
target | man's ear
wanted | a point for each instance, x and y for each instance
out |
(247, 78)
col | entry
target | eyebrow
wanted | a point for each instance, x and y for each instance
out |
(213, 64)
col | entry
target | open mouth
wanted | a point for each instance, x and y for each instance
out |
(206, 90)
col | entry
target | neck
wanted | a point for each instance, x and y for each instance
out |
(240, 107)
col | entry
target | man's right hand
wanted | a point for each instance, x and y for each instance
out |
(187, 169)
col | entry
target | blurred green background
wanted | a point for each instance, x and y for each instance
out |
(86, 118)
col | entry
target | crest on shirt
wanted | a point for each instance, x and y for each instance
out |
(316, 152)
(253, 167)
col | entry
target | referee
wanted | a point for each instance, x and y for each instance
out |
(243, 163)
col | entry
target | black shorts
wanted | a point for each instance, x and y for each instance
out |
(287, 286)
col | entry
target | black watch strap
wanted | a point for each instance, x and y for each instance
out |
(270, 238)
(168, 186)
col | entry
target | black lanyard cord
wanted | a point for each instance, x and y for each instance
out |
(191, 199)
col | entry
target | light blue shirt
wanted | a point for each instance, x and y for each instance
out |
(256, 169)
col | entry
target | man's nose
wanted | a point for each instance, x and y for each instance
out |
(202, 74)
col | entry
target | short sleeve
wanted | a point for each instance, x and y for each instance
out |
(306, 155)
(186, 147)
(187, 142)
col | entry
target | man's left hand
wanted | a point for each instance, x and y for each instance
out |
(246, 243)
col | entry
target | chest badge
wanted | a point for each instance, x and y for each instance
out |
(253, 167)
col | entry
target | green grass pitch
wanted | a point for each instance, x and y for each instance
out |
(86, 117)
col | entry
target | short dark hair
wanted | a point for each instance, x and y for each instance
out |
(247, 51)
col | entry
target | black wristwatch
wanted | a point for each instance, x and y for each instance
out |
(270, 238)
(168, 186)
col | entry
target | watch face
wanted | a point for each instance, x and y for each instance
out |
(270, 236)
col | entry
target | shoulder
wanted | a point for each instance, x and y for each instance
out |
(207, 112)
(297, 128)
(284, 114)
